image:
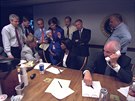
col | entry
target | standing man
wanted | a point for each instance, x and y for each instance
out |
(26, 28)
(80, 39)
(120, 32)
(40, 32)
(12, 38)
(68, 28)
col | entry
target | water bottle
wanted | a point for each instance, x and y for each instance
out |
(104, 95)
(41, 67)
(23, 75)
(131, 93)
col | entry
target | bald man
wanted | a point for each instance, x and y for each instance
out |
(118, 66)
(121, 32)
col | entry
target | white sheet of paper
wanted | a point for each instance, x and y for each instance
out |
(55, 85)
(45, 65)
(124, 90)
(62, 92)
(54, 70)
(87, 91)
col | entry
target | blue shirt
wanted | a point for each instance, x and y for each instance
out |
(38, 34)
(55, 35)
(121, 34)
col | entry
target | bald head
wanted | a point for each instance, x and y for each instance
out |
(111, 47)
(115, 20)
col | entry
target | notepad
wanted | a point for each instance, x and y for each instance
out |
(54, 70)
(44, 46)
(45, 65)
(59, 88)
(55, 85)
(87, 91)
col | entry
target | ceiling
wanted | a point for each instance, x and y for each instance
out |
(15, 3)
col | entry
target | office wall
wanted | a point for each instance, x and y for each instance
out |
(92, 12)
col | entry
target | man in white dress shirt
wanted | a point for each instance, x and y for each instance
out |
(12, 37)
(68, 28)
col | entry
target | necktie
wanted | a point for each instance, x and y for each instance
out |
(80, 33)
(68, 32)
(19, 43)
(26, 32)
(42, 40)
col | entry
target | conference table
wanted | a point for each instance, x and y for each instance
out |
(35, 91)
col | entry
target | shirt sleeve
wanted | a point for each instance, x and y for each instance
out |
(6, 41)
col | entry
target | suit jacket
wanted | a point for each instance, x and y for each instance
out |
(73, 61)
(124, 74)
(80, 43)
(29, 30)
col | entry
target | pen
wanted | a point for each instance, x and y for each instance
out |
(92, 86)
(60, 84)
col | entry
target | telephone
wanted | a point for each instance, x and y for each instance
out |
(108, 58)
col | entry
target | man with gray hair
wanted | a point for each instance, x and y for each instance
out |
(118, 65)
(12, 37)
(120, 32)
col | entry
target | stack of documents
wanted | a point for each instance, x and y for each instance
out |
(88, 91)
(124, 90)
(54, 70)
(59, 88)
(45, 65)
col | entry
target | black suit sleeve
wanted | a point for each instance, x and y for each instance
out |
(125, 73)
(86, 36)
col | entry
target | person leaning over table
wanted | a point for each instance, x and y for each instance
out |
(28, 51)
(119, 66)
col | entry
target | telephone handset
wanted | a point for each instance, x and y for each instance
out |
(108, 58)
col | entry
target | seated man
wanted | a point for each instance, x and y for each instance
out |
(118, 66)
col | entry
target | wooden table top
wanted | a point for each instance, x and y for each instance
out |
(35, 91)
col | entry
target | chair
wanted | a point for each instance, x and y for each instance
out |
(81, 62)
(133, 70)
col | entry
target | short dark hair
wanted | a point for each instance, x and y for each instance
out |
(52, 20)
(68, 43)
(25, 19)
(68, 17)
(40, 19)
(118, 16)
(78, 20)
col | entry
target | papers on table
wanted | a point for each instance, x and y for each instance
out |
(44, 46)
(87, 91)
(59, 88)
(124, 90)
(54, 70)
(45, 65)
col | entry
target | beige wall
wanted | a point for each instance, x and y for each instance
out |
(92, 12)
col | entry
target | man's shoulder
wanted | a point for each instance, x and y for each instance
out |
(124, 58)
(7, 26)
(85, 29)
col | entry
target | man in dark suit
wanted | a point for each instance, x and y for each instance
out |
(118, 66)
(26, 28)
(80, 39)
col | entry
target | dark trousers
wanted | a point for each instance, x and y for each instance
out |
(16, 52)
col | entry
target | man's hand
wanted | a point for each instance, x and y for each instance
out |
(113, 59)
(59, 35)
(88, 78)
